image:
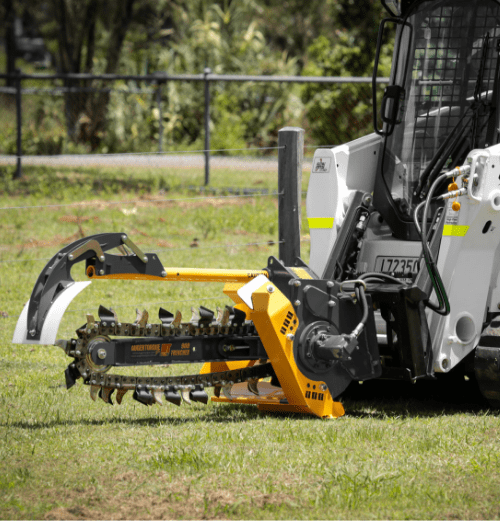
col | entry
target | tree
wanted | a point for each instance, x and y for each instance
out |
(88, 36)
(7, 12)
(340, 113)
(292, 25)
(225, 36)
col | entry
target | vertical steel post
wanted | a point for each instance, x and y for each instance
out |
(160, 117)
(18, 172)
(206, 72)
(290, 159)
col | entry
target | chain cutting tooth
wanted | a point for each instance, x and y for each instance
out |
(225, 316)
(105, 393)
(220, 314)
(90, 321)
(142, 318)
(143, 396)
(158, 395)
(226, 389)
(94, 391)
(119, 395)
(252, 386)
(172, 397)
(185, 396)
(199, 395)
(237, 317)
(177, 320)
(105, 314)
(165, 316)
(206, 316)
(195, 316)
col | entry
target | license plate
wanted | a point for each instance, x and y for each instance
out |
(397, 265)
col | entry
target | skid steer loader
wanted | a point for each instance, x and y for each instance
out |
(403, 278)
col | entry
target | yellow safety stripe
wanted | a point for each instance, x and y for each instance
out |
(454, 230)
(301, 272)
(320, 222)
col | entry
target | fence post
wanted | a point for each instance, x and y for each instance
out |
(160, 116)
(18, 172)
(290, 158)
(206, 72)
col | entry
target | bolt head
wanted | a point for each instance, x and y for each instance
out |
(101, 272)
(145, 259)
(290, 336)
(270, 288)
(330, 284)
(78, 353)
(101, 353)
(163, 273)
(323, 387)
(71, 257)
(331, 303)
(32, 332)
(124, 238)
(102, 258)
(296, 303)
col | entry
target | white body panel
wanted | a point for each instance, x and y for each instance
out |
(54, 316)
(469, 261)
(335, 173)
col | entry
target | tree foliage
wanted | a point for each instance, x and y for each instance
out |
(342, 112)
(273, 37)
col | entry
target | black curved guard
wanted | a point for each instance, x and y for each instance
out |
(56, 276)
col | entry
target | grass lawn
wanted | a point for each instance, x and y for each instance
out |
(401, 451)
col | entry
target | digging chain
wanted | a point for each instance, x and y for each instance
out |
(97, 375)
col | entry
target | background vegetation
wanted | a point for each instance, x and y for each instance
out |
(263, 37)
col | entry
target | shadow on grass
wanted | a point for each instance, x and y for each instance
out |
(425, 399)
(221, 414)
(377, 399)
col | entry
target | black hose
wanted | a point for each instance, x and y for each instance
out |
(443, 307)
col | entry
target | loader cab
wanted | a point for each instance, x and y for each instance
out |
(441, 101)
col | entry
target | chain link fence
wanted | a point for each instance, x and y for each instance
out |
(155, 114)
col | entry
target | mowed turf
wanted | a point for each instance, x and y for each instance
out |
(429, 450)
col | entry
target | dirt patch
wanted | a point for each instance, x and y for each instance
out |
(165, 244)
(77, 219)
(132, 497)
(50, 243)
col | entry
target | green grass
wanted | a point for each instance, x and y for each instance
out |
(416, 452)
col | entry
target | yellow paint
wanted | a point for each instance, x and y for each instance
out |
(219, 367)
(320, 222)
(186, 274)
(454, 230)
(301, 272)
(269, 314)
